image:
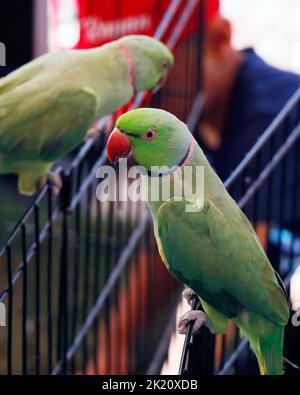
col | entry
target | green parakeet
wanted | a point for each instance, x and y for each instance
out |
(47, 105)
(211, 247)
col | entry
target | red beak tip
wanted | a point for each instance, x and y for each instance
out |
(118, 145)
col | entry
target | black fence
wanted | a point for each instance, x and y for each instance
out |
(266, 187)
(81, 280)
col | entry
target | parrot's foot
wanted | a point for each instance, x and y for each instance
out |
(54, 180)
(189, 295)
(92, 133)
(198, 317)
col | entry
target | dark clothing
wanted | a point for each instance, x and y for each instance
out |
(260, 91)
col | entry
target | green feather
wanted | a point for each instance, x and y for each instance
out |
(47, 105)
(215, 251)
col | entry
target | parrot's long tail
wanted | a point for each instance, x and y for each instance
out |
(269, 352)
(266, 340)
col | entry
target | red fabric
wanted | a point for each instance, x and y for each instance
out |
(212, 8)
(105, 20)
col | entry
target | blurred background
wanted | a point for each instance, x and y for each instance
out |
(86, 292)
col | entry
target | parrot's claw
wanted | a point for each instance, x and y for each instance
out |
(54, 180)
(199, 318)
(189, 295)
(92, 133)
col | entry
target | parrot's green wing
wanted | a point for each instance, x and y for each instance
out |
(220, 258)
(46, 127)
(22, 75)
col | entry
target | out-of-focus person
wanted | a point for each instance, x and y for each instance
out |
(243, 95)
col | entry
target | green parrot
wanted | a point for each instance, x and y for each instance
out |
(47, 106)
(205, 240)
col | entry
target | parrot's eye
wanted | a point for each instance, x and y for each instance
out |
(164, 64)
(150, 134)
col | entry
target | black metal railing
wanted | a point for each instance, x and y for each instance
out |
(265, 186)
(81, 280)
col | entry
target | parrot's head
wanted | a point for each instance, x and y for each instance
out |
(154, 137)
(151, 61)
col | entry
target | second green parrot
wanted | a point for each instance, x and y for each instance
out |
(47, 106)
(205, 240)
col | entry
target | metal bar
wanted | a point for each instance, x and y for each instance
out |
(107, 305)
(122, 261)
(86, 274)
(88, 180)
(62, 328)
(24, 300)
(27, 214)
(88, 145)
(233, 357)
(49, 281)
(295, 196)
(182, 22)
(167, 19)
(186, 14)
(263, 138)
(271, 165)
(184, 358)
(162, 348)
(76, 265)
(97, 264)
(31, 250)
(37, 290)
(10, 312)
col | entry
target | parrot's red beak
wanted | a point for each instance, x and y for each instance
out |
(118, 145)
